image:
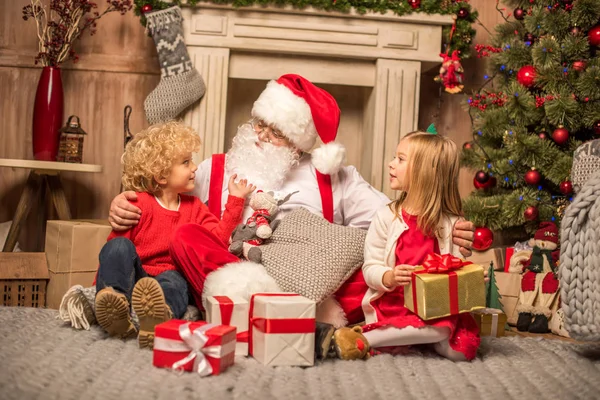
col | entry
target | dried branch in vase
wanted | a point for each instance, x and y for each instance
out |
(62, 22)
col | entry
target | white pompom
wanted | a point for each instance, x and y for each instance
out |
(329, 158)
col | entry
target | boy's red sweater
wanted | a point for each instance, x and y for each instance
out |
(152, 235)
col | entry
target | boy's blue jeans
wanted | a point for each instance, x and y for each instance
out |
(121, 267)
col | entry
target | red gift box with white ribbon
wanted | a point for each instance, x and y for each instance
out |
(207, 349)
(282, 329)
(230, 310)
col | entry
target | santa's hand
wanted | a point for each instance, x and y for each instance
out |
(122, 214)
(463, 235)
(241, 188)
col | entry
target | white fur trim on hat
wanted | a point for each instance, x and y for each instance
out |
(329, 158)
(279, 106)
(331, 312)
(238, 279)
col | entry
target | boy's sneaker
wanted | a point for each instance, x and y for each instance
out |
(112, 313)
(148, 301)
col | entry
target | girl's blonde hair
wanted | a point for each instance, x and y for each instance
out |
(432, 176)
(152, 153)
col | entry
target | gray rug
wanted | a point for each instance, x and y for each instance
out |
(42, 359)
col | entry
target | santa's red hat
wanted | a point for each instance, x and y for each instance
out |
(303, 112)
(547, 231)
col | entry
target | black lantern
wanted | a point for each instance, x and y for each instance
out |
(71, 141)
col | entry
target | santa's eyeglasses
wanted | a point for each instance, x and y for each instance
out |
(267, 133)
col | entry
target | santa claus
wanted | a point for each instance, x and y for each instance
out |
(273, 151)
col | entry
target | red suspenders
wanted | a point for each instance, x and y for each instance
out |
(215, 191)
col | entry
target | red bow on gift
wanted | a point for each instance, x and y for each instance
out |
(439, 264)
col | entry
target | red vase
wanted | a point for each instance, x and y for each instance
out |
(47, 115)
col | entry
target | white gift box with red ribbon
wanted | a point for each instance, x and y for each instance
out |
(232, 311)
(282, 329)
(207, 349)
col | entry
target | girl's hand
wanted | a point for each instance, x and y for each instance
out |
(486, 278)
(240, 189)
(399, 276)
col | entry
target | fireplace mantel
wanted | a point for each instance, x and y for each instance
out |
(376, 57)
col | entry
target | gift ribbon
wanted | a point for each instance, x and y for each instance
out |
(288, 325)
(195, 342)
(226, 308)
(440, 264)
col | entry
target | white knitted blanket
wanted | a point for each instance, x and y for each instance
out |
(41, 358)
(579, 267)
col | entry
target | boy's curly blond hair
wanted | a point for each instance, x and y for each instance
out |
(152, 153)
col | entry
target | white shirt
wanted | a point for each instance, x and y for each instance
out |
(355, 202)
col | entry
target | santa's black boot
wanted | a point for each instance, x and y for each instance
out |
(323, 336)
(539, 324)
(524, 321)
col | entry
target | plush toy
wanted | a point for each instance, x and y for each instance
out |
(258, 227)
(451, 73)
(351, 344)
(539, 285)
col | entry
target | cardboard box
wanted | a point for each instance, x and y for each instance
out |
(282, 329)
(72, 249)
(436, 295)
(491, 321)
(509, 286)
(230, 311)
(497, 255)
(23, 279)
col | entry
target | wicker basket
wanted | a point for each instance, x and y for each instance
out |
(23, 279)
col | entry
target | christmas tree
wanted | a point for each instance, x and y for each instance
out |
(540, 101)
(492, 293)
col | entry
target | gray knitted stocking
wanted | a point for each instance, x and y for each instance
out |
(180, 83)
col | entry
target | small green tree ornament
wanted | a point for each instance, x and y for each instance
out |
(492, 293)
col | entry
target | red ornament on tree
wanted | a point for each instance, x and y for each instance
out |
(530, 213)
(483, 239)
(579, 66)
(560, 135)
(597, 127)
(543, 135)
(146, 8)
(519, 13)
(414, 4)
(467, 145)
(594, 36)
(532, 177)
(463, 13)
(484, 186)
(482, 177)
(526, 76)
(566, 188)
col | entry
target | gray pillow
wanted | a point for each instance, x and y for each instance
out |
(309, 256)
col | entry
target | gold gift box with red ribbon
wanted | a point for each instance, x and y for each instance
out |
(445, 285)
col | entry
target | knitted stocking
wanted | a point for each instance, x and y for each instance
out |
(180, 83)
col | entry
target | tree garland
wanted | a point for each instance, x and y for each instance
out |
(460, 40)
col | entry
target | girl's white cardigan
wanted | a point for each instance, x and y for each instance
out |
(380, 252)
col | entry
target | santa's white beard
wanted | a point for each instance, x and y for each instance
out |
(265, 166)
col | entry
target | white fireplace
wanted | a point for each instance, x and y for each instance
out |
(370, 63)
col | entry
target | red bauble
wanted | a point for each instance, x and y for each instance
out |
(467, 145)
(463, 13)
(484, 186)
(532, 177)
(566, 188)
(482, 177)
(531, 213)
(483, 239)
(146, 8)
(579, 66)
(560, 135)
(526, 76)
(414, 4)
(519, 13)
(594, 36)
(597, 127)
(543, 135)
